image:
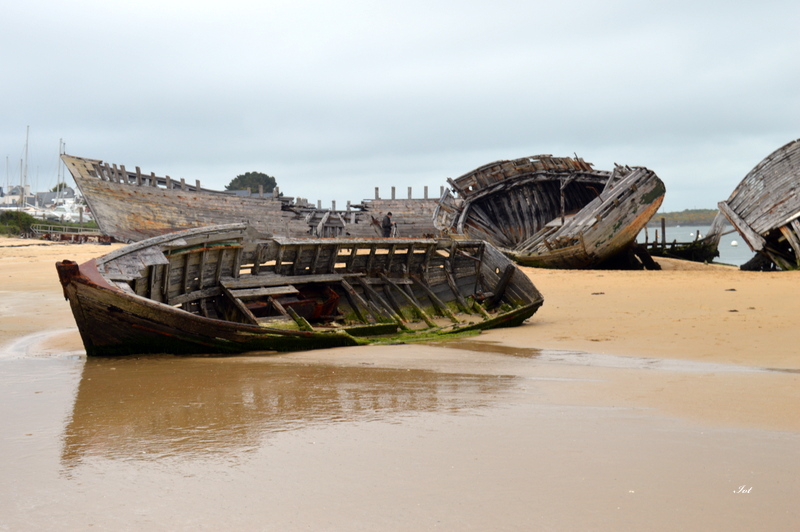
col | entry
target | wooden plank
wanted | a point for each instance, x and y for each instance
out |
(500, 289)
(419, 310)
(313, 267)
(371, 259)
(351, 259)
(444, 310)
(203, 263)
(185, 280)
(297, 260)
(451, 282)
(333, 258)
(271, 279)
(220, 261)
(275, 303)
(194, 296)
(249, 293)
(237, 263)
(788, 233)
(299, 320)
(753, 239)
(279, 260)
(393, 302)
(382, 303)
(256, 260)
(357, 303)
(249, 317)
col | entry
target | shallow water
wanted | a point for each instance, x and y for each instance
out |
(463, 435)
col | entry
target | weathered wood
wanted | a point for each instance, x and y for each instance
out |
(440, 305)
(381, 302)
(419, 310)
(270, 279)
(248, 293)
(511, 203)
(454, 289)
(241, 312)
(240, 306)
(396, 306)
(500, 289)
(357, 303)
(301, 321)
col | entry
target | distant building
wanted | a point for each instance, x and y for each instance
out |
(44, 199)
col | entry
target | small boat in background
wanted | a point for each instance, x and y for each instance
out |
(229, 289)
(765, 209)
(553, 212)
(702, 248)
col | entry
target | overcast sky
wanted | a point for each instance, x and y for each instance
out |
(336, 98)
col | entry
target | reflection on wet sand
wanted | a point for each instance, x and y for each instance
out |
(147, 408)
(482, 346)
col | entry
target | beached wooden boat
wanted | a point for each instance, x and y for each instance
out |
(132, 206)
(230, 289)
(554, 212)
(702, 249)
(765, 208)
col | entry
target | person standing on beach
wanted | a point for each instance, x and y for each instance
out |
(387, 224)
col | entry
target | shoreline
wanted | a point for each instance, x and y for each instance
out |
(686, 311)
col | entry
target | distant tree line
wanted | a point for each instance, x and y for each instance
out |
(15, 223)
(251, 181)
(685, 217)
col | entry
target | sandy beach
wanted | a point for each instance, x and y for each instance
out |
(646, 400)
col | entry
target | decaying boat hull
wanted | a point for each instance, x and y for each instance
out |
(131, 206)
(765, 207)
(114, 324)
(701, 249)
(226, 290)
(553, 212)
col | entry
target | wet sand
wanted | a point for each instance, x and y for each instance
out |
(632, 400)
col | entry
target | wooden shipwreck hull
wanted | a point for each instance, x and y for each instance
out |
(765, 208)
(555, 212)
(229, 289)
(131, 206)
(701, 249)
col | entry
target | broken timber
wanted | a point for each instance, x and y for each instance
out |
(555, 212)
(131, 205)
(765, 208)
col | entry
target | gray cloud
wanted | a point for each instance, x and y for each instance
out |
(335, 99)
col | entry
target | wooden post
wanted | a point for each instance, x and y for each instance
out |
(197, 185)
(663, 233)
(393, 197)
(377, 196)
(183, 184)
(409, 192)
(425, 194)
